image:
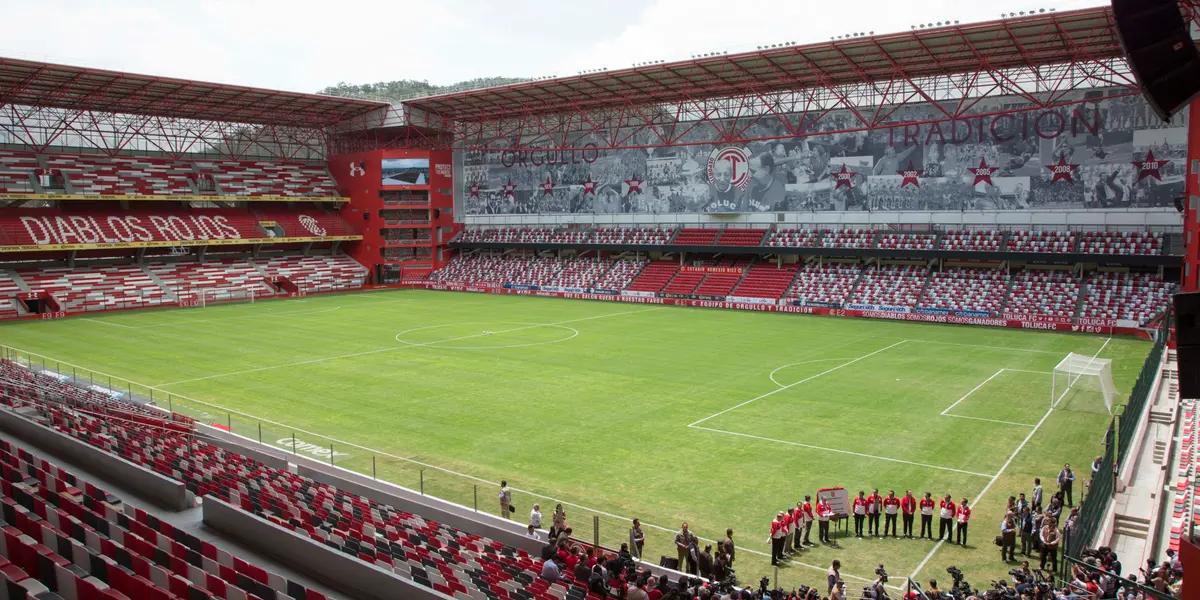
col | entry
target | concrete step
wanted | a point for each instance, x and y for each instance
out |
(1140, 534)
(1160, 452)
(1166, 418)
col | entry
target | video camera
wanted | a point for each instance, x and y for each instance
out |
(881, 573)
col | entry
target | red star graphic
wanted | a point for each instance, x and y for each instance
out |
(474, 190)
(844, 177)
(508, 189)
(635, 185)
(1150, 166)
(547, 187)
(910, 175)
(589, 186)
(1062, 170)
(983, 173)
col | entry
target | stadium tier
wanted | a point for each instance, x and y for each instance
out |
(101, 175)
(1103, 296)
(169, 562)
(1082, 241)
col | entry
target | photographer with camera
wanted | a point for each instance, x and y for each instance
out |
(1023, 579)
(878, 588)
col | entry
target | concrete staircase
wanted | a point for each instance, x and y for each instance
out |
(162, 284)
(11, 274)
(1131, 526)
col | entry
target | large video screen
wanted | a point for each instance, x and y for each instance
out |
(1099, 149)
(405, 171)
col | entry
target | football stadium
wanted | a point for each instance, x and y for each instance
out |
(901, 314)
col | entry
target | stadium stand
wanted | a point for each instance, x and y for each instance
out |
(1051, 293)
(741, 237)
(220, 279)
(848, 238)
(720, 284)
(697, 236)
(827, 284)
(620, 275)
(1041, 241)
(966, 289)
(1131, 296)
(97, 288)
(972, 240)
(890, 286)
(9, 288)
(766, 281)
(906, 241)
(1120, 243)
(318, 273)
(1185, 503)
(654, 277)
(634, 236)
(685, 282)
(101, 175)
(794, 238)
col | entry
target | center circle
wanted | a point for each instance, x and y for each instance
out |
(472, 334)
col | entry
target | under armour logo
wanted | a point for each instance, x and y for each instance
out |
(358, 169)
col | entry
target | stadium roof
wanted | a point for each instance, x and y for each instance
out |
(1041, 39)
(42, 84)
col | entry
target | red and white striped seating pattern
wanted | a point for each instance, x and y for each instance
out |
(620, 274)
(96, 288)
(103, 175)
(848, 238)
(1120, 242)
(582, 273)
(431, 554)
(830, 283)
(986, 240)
(890, 286)
(766, 281)
(1043, 292)
(794, 238)
(633, 236)
(906, 241)
(17, 172)
(721, 284)
(1136, 297)
(269, 178)
(1041, 241)
(8, 295)
(1185, 506)
(318, 273)
(959, 288)
(527, 235)
(221, 279)
(308, 223)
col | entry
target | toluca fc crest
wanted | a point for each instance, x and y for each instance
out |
(729, 167)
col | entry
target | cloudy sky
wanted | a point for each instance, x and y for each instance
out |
(304, 45)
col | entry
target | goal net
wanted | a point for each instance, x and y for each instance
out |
(1082, 383)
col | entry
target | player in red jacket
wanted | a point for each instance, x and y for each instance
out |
(859, 509)
(891, 508)
(908, 507)
(963, 516)
(778, 533)
(946, 513)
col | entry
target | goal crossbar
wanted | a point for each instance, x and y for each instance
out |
(1077, 372)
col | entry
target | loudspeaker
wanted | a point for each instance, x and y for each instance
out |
(1161, 52)
(1187, 340)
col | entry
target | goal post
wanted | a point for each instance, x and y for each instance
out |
(1081, 382)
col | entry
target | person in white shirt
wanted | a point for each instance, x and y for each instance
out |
(505, 497)
(535, 520)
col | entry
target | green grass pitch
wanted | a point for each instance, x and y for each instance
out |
(719, 418)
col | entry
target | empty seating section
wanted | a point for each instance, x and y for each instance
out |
(1041, 241)
(528, 235)
(429, 553)
(70, 538)
(891, 286)
(216, 280)
(583, 273)
(848, 238)
(696, 236)
(907, 241)
(474, 268)
(1120, 242)
(795, 238)
(826, 284)
(966, 289)
(268, 178)
(318, 273)
(766, 281)
(97, 288)
(633, 236)
(99, 174)
(720, 283)
(981, 240)
(318, 223)
(1050, 293)
(654, 276)
(1128, 296)
(8, 294)
(741, 237)
(16, 172)
(1185, 506)
(620, 274)
(684, 283)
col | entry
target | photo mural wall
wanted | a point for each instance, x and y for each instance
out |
(1105, 149)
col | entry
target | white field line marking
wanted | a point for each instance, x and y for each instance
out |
(985, 419)
(1003, 468)
(792, 385)
(189, 322)
(410, 460)
(839, 451)
(803, 362)
(103, 322)
(973, 390)
(398, 347)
